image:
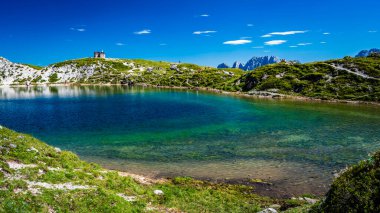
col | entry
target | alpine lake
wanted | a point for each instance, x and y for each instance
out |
(283, 147)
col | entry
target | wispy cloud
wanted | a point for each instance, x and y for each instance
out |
(250, 25)
(204, 32)
(323, 42)
(372, 31)
(120, 44)
(326, 33)
(284, 33)
(293, 46)
(238, 42)
(163, 44)
(77, 29)
(304, 44)
(143, 32)
(275, 42)
(245, 37)
(204, 15)
(258, 47)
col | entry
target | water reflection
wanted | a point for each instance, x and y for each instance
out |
(23, 92)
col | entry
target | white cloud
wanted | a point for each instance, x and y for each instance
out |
(78, 29)
(245, 37)
(275, 42)
(284, 33)
(323, 42)
(205, 15)
(304, 44)
(204, 32)
(293, 46)
(142, 32)
(120, 44)
(238, 42)
(258, 47)
(250, 25)
(326, 33)
(372, 31)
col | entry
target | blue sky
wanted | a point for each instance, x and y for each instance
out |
(42, 32)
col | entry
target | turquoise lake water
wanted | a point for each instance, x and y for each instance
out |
(295, 145)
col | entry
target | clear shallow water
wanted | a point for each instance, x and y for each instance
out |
(160, 132)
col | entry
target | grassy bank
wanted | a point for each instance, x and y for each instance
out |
(35, 177)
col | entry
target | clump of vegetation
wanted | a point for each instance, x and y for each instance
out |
(53, 78)
(355, 190)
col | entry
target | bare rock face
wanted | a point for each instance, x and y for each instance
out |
(14, 73)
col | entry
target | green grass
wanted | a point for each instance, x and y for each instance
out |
(60, 167)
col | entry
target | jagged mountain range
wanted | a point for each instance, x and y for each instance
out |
(252, 63)
(366, 53)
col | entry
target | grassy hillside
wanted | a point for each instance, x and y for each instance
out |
(344, 79)
(348, 78)
(319, 80)
(35, 177)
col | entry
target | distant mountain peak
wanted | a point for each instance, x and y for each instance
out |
(252, 63)
(238, 65)
(366, 53)
(223, 66)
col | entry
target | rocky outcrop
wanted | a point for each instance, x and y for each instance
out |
(66, 72)
(13, 73)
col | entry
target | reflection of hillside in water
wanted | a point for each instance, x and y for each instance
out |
(20, 92)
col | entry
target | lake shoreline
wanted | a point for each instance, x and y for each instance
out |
(254, 95)
(260, 187)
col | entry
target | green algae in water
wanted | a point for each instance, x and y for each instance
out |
(175, 132)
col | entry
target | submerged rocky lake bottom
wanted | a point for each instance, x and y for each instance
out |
(294, 147)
